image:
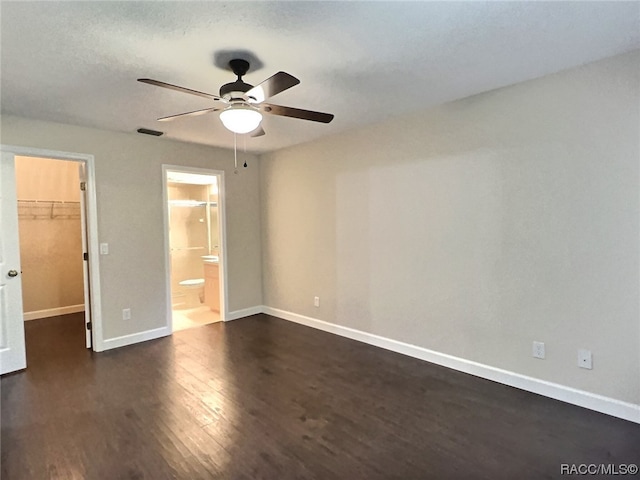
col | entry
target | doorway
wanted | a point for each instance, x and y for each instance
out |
(194, 242)
(12, 326)
(51, 238)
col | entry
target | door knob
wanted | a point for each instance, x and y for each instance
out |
(12, 273)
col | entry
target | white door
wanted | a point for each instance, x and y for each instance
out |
(85, 252)
(12, 346)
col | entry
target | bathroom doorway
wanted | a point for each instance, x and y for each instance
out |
(194, 239)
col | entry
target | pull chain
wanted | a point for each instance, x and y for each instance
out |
(244, 138)
(235, 154)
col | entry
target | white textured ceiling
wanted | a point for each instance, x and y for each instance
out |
(77, 62)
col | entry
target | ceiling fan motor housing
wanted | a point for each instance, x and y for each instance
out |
(236, 90)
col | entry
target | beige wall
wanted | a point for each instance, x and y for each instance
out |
(47, 179)
(50, 244)
(130, 216)
(476, 228)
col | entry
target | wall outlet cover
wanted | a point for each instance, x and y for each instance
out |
(538, 350)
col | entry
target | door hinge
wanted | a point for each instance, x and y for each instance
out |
(85, 256)
(83, 186)
(88, 325)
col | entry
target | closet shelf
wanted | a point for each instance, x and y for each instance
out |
(48, 209)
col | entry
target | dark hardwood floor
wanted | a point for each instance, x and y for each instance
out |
(262, 398)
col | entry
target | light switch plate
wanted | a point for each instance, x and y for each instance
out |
(104, 249)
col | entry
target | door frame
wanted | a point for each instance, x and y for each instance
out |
(91, 212)
(222, 247)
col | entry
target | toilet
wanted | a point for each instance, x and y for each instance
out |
(194, 291)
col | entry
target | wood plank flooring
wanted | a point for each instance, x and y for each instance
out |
(263, 398)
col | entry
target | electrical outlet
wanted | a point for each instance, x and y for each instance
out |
(104, 249)
(316, 301)
(538, 350)
(126, 314)
(585, 359)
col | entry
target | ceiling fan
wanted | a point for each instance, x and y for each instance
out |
(242, 105)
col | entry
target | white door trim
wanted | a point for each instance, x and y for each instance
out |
(222, 247)
(86, 287)
(92, 227)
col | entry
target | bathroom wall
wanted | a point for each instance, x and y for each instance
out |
(215, 226)
(50, 239)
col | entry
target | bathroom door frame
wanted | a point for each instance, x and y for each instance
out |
(90, 231)
(222, 242)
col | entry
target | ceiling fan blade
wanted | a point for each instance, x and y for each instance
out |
(295, 113)
(178, 89)
(258, 132)
(187, 114)
(273, 85)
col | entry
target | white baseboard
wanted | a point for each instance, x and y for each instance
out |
(53, 312)
(599, 403)
(125, 340)
(245, 312)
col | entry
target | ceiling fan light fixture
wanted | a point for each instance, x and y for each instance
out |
(241, 118)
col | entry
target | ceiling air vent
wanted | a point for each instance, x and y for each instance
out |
(146, 131)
